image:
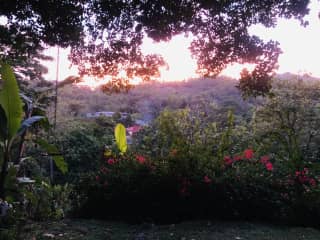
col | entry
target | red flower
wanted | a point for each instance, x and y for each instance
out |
(301, 175)
(228, 160)
(269, 166)
(264, 159)
(111, 161)
(206, 179)
(248, 153)
(97, 178)
(237, 158)
(140, 159)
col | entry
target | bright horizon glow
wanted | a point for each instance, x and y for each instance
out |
(300, 46)
(181, 65)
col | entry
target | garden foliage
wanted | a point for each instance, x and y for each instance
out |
(22, 197)
(191, 164)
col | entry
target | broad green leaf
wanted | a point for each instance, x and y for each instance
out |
(53, 151)
(60, 163)
(10, 99)
(121, 138)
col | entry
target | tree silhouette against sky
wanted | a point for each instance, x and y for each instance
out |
(105, 36)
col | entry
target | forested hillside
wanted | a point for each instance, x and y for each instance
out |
(146, 101)
(150, 98)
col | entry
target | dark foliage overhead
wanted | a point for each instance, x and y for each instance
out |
(106, 35)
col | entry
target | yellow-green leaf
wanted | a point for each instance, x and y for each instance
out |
(121, 138)
(107, 153)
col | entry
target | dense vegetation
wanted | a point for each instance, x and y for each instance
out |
(205, 153)
(203, 150)
(211, 162)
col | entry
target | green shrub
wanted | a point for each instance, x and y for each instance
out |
(246, 186)
(82, 148)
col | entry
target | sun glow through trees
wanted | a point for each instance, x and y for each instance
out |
(300, 48)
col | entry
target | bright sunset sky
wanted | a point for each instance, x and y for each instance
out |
(300, 46)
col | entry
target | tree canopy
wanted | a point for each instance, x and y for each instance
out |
(106, 35)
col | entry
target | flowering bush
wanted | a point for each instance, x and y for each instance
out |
(246, 185)
(202, 162)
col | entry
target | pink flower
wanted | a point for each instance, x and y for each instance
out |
(312, 182)
(111, 161)
(301, 175)
(269, 166)
(227, 160)
(248, 153)
(97, 178)
(140, 159)
(264, 159)
(206, 179)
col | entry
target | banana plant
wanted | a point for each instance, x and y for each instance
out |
(12, 122)
(11, 114)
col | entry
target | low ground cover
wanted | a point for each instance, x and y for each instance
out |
(96, 230)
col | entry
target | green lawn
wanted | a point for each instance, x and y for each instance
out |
(96, 230)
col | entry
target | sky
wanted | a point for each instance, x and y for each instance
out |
(300, 46)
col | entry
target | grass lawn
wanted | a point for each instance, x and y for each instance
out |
(79, 229)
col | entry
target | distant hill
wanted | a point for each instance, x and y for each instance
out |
(148, 99)
(292, 76)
